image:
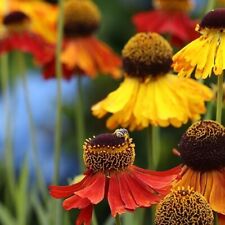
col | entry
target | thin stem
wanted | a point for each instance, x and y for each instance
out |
(153, 148)
(219, 106)
(117, 219)
(79, 122)
(56, 210)
(10, 174)
(58, 68)
(94, 219)
(210, 5)
(22, 70)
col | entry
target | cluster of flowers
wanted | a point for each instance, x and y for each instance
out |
(150, 94)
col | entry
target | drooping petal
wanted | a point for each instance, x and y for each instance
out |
(177, 24)
(28, 42)
(95, 189)
(116, 203)
(68, 190)
(158, 181)
(75, 202)
(221, 219)
(142, 194)
(207, 184)
(85, 215)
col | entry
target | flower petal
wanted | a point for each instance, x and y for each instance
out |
(116, 203)
(157, 180)
(95, 189)
(85, 215)
(75, 202)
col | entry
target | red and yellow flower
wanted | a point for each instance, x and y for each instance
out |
(83, 53)
(169, 17)
(43, 16)
(17, 36)
(150, 94)
(111, 174)
(202, 150)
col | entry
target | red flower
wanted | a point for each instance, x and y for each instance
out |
(170, 18)
(111, 174)
(18, 37)
(82, 53)
(85, 56)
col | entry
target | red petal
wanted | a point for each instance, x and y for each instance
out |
(95, 190)
(126, 193)
(66, 191)
(116, 203)
(85, 215)
(29, 43)
(160, 181)
(221, 219)
(75, 202)
(142, 194)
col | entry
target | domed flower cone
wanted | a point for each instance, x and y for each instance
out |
(202, 150)
(83, 53)
(205, 55)
(184, 206)
(150, 94)
(111, 174)
(17, 36)
(170, 17)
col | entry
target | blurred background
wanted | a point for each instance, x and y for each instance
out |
(116, 28)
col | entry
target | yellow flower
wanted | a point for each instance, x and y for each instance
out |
(42, 14)
(202, 150)
(206, 54)
(184, 206)
(150, 94)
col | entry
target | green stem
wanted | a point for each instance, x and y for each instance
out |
(58, 128)
(32, 131)
(8, 132)
(219, 106)
(79, 121)
(117, 219)
(153, 148)
(210, 5)
(94, 219)
(56, 208)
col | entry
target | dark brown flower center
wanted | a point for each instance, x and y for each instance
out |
(214, 19)
(202, 146)
(109, 152)
(81, 18)
(15, 18)
(147, 54)
(184, 206)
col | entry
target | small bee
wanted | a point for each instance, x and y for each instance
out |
(122, 132)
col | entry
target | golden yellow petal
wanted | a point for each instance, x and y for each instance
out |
(220, 57)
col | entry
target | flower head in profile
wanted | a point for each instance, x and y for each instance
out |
(169, 17)
(111, 174)
(42, 14)
(150, 94)
(184, 206)
(205, 55)
(82, 52)
(18, 36)
(202, 150)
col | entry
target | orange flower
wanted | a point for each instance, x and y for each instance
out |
(202, 149)
(111, 174)
(82, 52)
(17, 36)
(168, 17)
